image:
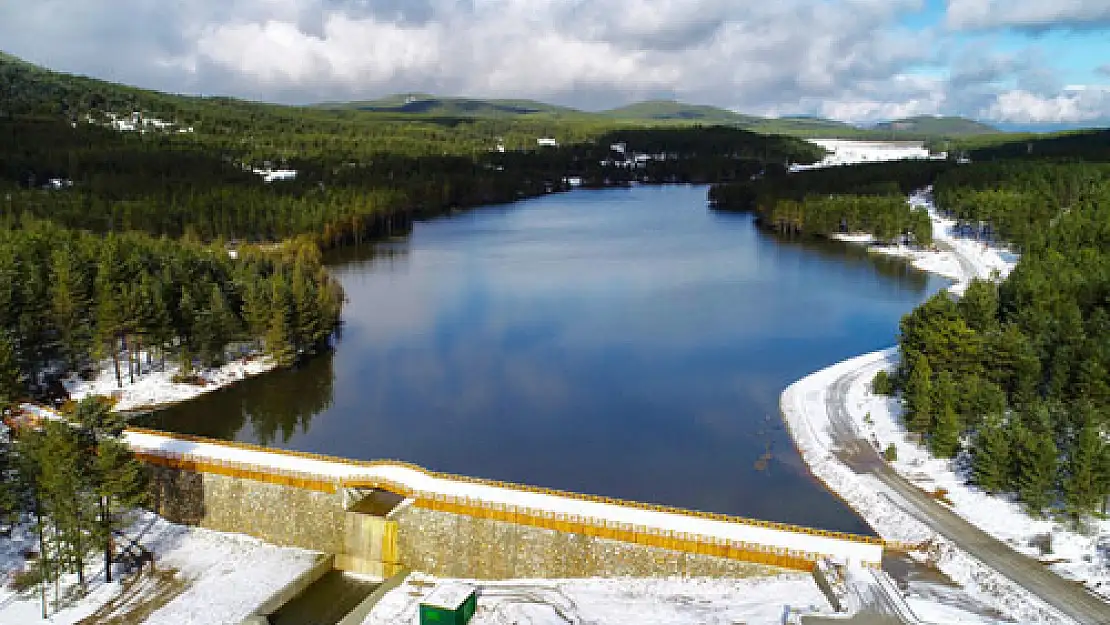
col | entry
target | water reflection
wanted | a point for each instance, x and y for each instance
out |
(627, 343)
(273, 408)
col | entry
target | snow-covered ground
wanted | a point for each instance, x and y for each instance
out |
(806, 414)
(848, 152)
(953, 256)
(154, 386)
(1074, 555)
(663, 601)
(201, 578)
(619, 601)
(878, 419)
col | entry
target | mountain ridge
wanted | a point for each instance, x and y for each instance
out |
(58, 90)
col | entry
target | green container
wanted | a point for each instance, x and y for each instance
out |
(449, 604)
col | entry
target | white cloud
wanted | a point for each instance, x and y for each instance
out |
(1028, 14)
(846, 59)
(1075, 104)
(596, 53)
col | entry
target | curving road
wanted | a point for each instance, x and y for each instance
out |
(1070, 598)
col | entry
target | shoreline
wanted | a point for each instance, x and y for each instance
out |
(829, 448)
(154, 387)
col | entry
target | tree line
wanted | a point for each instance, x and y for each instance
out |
(1017, 375)
(868, 198)
(77, 483)
(70, 299)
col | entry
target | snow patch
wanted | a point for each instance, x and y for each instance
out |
(216, 578)
(1080, 556)
(635, 601)
(805, 412)
(848, 152)
(155, 386)
(953, 255)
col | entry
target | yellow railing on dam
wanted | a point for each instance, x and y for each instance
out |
(690, 543)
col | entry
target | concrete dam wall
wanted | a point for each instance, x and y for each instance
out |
(377, 517)
(438, 542)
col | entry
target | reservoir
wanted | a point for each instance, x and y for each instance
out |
(620, 342)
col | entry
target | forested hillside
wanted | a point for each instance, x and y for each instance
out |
(1019, 373)
(863, 198)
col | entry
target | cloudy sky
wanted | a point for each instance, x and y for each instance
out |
(1008, 61)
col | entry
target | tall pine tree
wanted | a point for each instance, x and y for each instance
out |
(919, 396)
(991, 455)
(1085, 480)
(11, 386)
(944, 441)
(1038, 470)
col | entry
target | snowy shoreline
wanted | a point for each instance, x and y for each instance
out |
(877, 419)
(155, 387)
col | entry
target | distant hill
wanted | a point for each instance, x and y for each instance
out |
(656, 112)
(436, 106)
(936, 126)
(670, 110)
(1089, 145)
(26, 87)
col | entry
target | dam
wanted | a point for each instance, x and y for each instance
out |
(379, 517)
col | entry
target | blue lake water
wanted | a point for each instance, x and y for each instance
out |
(621, 342)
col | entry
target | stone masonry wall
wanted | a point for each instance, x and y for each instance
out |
(453, 545)
(280, 515)
(441, 543)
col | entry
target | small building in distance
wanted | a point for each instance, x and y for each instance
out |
(547, 142)
(449, 604)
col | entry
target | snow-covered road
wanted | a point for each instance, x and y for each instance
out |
(821, 412)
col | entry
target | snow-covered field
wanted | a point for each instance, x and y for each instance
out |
(154, 386)
(619, 601)
(201, 578)
(849, 152)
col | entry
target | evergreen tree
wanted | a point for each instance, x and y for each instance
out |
(306, 317)
(109, 327)
(119, 484)
(1037, 470)
(155, 316)
(10, 378)
(64, 479)
(256, 311)
(214, 327)
(68, 301)
(919, 396)
(1085, 483)
(945, 439)
(329, 304)
(279, 346)
(9, 481)
(279, 334)
(979, 305)
(28, 456)
(991, 455)
(96, 420)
